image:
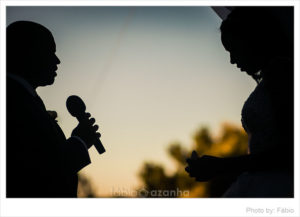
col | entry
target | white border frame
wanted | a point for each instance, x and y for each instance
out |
(143, 207)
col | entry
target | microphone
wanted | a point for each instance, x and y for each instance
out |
(76, 108)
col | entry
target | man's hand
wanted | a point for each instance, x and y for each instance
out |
(203, 168)
(87, 131)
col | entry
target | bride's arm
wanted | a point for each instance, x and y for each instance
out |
(271, 160)
(207, 167)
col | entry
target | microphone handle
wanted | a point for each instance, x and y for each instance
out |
(98, 144)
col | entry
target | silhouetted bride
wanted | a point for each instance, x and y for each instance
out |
(261, 46)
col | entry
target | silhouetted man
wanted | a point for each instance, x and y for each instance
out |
(41, 162)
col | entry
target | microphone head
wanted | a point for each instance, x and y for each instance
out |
(75, 106)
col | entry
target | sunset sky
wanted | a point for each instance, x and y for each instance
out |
(149, 75)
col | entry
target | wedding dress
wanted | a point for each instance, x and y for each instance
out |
(259, 119)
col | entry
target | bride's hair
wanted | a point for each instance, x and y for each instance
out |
(264, 29)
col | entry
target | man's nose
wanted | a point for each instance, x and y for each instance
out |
(57, 60)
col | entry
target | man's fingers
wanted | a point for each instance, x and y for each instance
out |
(95, 128)
(92, 121)
(87, 115)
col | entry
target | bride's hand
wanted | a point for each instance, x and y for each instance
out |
(203, 168)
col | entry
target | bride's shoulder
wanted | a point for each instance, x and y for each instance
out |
(278, 76)
(278, 69)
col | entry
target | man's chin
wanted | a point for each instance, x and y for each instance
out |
(47, 82)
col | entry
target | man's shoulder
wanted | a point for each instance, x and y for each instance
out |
(19, 103)
(15, 92)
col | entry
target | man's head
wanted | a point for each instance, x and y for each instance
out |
(31, 53)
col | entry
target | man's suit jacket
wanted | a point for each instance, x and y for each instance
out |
(41, 162)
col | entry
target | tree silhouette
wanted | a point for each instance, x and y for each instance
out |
(232, 141)
(85, 187)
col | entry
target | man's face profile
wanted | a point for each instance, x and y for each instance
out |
(31, 53)
(44, 62)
